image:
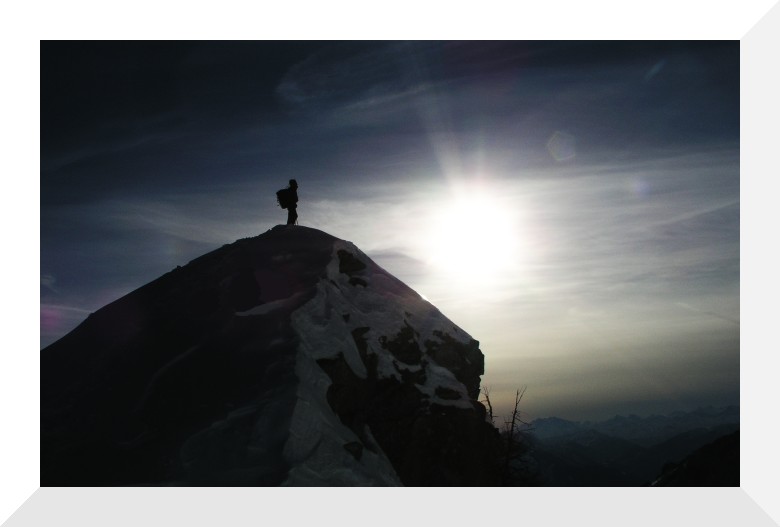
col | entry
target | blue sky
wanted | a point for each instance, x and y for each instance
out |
(599, 260)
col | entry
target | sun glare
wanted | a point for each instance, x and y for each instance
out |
(474, 238)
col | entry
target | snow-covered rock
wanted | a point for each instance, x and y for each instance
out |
(290, 358)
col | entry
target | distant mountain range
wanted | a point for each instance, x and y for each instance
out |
(645, 431)
(628, 451)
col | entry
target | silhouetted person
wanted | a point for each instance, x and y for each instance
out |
(292, 214)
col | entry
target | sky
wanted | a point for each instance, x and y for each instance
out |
(574, 206)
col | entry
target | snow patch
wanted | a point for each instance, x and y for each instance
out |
(440, 377)
(268, 307)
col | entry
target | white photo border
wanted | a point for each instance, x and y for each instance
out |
(755, 23)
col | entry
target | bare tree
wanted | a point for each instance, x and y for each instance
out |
(516, 465)
(514, 430)
(486, 400)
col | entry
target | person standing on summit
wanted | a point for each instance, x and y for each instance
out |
(288, 199)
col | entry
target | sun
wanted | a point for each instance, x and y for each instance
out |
(474, 237)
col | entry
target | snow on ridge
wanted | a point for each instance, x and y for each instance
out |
(386, 305)
(423, 315)
(324, 325)
(315, 448)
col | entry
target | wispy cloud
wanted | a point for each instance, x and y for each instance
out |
(48, 282)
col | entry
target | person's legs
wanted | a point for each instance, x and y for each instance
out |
(292, 216)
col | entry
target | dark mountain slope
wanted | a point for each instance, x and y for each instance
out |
(288, 358)
(713, 465)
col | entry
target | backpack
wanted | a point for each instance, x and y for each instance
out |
(284, 197)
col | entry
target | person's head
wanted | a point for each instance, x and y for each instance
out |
(293, 183)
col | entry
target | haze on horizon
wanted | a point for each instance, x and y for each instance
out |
(574, 206)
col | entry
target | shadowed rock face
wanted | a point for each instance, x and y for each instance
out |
(713, 465)
(205, 377)
(428, 444)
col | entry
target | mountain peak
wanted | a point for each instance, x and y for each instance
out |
(290, 358)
